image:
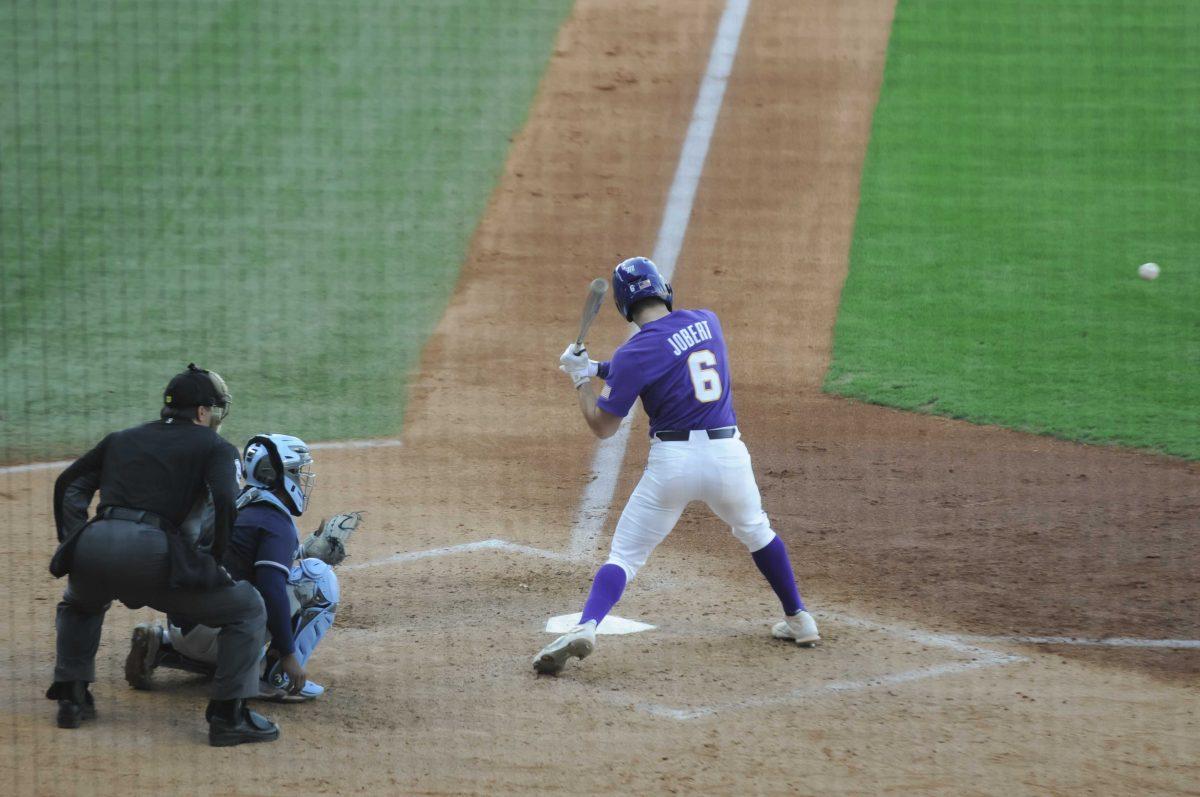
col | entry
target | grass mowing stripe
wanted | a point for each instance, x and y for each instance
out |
(1025, 158)
(280, 190)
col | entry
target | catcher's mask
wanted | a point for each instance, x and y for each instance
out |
(636, 279)
(280, 463)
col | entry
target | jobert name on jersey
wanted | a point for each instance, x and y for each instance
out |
(689, 336)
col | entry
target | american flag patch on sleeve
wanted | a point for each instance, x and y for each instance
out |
(605, 392)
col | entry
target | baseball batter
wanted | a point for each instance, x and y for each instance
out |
(678, 365)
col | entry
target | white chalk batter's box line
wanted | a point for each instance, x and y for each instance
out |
(979, 657)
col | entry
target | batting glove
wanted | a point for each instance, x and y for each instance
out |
(577, 365)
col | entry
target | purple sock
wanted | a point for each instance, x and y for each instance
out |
(607, 587)
(772, 561)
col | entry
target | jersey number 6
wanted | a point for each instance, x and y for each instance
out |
(706, 382)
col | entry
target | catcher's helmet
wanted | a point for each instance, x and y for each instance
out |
(635, 279)
(280, 460)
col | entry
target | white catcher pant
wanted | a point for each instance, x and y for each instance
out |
(312, 585)
(716, 472)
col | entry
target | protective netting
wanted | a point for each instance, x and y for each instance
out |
(935, 205)
(281, 191)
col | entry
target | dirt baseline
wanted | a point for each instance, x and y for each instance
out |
(905, 530)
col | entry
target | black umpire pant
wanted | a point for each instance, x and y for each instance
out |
(128, 561)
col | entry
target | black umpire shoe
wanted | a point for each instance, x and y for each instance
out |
(75, 702)
(230, 722)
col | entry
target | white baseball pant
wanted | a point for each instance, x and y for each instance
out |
(716, 472)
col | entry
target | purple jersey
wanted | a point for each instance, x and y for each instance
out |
(679, 366)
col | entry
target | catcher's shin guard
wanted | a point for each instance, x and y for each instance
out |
(309, 626)
(315, 589)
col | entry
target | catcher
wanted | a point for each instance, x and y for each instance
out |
(297, 582)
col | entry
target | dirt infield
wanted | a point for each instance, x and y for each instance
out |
(912, 536)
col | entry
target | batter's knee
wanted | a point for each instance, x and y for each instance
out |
(623, 563)
(756, 535)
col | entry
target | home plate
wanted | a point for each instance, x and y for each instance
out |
(609, 625)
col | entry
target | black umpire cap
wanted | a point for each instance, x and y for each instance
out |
(196, 387)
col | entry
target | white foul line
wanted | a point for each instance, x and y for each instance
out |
(606, 464)
(598, 494)
(335, 445)
(35, 466)
(331, 445)
(1108, 642)
(695, 146)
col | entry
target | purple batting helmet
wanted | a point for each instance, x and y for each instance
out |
(635, 279)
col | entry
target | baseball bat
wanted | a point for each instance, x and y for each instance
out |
(591, 306)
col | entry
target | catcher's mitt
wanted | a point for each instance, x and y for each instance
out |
(328, 542)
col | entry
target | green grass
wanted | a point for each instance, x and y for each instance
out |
(1026, 157)
(280, 190)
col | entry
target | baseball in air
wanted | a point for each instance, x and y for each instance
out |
(1148, 271)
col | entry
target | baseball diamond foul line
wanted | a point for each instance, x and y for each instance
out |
(606, 465)
(337, 445)
(331, 445)
(35, 466)
(1110, 642)
(965, 643)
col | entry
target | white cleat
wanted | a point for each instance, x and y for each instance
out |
(579, 642)
(800, 627)
(280, 694)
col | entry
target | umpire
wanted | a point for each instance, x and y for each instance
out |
(150, 478)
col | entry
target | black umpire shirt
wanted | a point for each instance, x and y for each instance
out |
(162, 467)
